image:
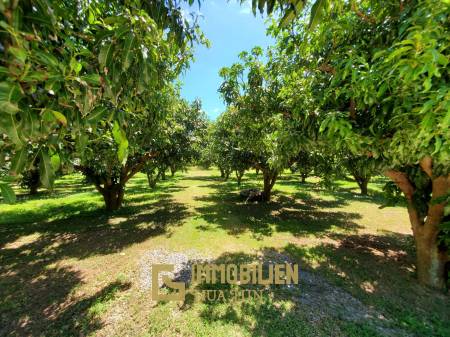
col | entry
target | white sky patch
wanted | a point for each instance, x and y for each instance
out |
(186, 15)
(246, 8)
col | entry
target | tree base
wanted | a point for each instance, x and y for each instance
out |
(252, 195)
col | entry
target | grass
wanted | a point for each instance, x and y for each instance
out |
(68, 269)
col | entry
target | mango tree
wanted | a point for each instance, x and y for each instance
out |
(377, 79)
(228, 155)
(178, 140)
(64, 68)
(251, 91)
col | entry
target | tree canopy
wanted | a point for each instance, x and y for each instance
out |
(70, 67)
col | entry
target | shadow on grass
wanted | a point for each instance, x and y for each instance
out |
(37, 293)
(380, 271)
(343, 192)
(362, 285)
(283, 310)
(300, 214)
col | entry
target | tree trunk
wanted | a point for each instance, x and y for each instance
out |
(431, 261)
(162, 173)
(173, 170)
(362, 183)
(304, 176)
(226, 175)
(152, 180)
(113, 196)
(431, 258)
(35, 181)
(257, 171)
(269, 177)
(222, 173)
(239, 175)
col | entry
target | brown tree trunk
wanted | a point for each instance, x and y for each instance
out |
(303, 176)
(431, 261)
(35, 181)
(152, 179)
(362, 183)
(431, 258)
(239, 175)
(113, 196)
(173, 170)
(163, 173)
(269, 177)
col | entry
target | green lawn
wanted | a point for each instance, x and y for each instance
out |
(69, 269)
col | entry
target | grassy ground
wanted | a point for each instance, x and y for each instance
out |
(69, 269)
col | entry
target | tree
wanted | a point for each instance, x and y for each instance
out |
(251, 89)
(362, 168)
(31, 180)
(376, 78)
(304, 163)
(221, 144)
(225, 148)
(112, 156)
(178, 140)
(66, 66)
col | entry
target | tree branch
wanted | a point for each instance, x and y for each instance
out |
(402, 181)
(426, 164)
(352, 109)
(363, 16)
(327, 68)
(129, 172)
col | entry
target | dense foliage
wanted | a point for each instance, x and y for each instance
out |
(375, 77)
(73, 69)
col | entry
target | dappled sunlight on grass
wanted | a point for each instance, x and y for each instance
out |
(65, 262)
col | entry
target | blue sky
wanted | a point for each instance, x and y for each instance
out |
(230, 28)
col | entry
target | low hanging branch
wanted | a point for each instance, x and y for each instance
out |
(426, 165)
(128, 171)
(402, 181)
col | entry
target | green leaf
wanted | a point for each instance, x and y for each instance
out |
(105, 55)
(95, 115)
(46, 58)
(398, 52)
(427, 84)
(10, 94)
(7, 193)
(93, 79)
(75, 65)
(261, 4)
(121, 140)
(56, 161)
(9, 125)
(19, 53)
(46, 170)
(122, 153)
(317, 11)
(18, 161)
(128, 55)
(49, 114)
(9, 108)
(60, 117)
